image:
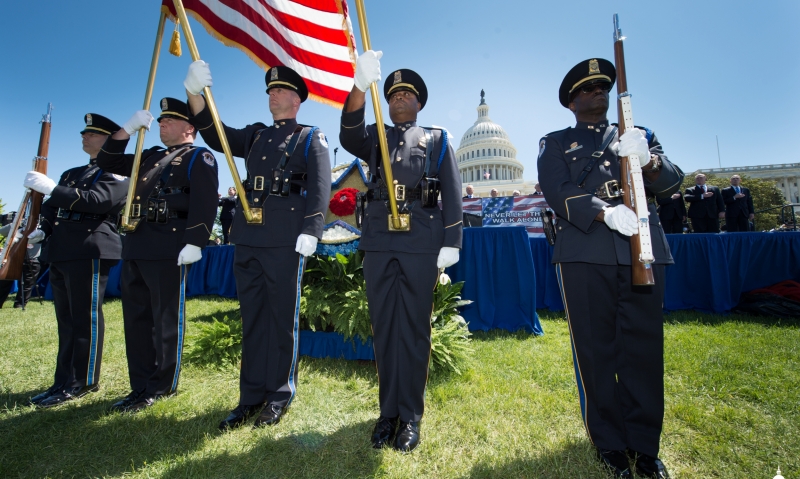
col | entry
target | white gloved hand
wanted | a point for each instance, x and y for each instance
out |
(36, 237)
(447, 257)
(39, 182)
(368, 69)
(633, 142)
(622, 219)
(140, 119)
(306, 244)
(190, 254)
(198, 77)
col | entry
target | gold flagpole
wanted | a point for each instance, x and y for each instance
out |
(128, 223)
(251, 215)
(397, 222)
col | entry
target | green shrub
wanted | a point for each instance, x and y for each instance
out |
(218, 343)
(450, 337)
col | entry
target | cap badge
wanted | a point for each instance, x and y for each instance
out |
(88, 119)
(273, 74)
(398, 77)
(594, 66)
(164, 104)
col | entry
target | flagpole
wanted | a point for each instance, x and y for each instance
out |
(129, 224)
(251, 215)
(397, 222)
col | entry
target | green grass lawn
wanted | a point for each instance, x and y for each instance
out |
(732, 410)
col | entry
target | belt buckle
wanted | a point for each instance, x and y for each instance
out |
(136, 210)
(612, 189)
(400, 192)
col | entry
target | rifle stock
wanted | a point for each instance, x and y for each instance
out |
(631, 175)
(13, 254)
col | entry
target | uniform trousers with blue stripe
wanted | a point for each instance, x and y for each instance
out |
(78, 288)
(154, 315)
(617, 334)
(269, 284)
(400, 295)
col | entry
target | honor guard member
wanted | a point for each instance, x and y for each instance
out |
(173, 207)
(616, 328)
(289, 178)
(78, 225)
(401, 268)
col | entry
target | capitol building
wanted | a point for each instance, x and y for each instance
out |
(488, 160)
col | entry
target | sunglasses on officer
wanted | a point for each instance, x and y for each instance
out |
(591, 87)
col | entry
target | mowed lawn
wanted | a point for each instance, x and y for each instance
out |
(732, 410)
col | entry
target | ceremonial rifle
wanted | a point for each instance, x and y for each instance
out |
(27, 218)
(631, 174)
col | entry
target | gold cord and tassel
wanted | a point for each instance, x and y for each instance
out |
(175, 43)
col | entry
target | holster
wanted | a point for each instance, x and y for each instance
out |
(361, 207)
(549, 227)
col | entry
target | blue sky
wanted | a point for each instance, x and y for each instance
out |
(696, 69)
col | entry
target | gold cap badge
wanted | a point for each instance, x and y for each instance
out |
(398, 77)
(594, 66)
(88, 119)
(273, 74)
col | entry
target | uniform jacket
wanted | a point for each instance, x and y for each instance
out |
(261, 146)
(700, 207)
(228, 208)
(669, 208)
(562, 156)
(99, 195)
(198, 201)
(431, 228)
(735, 207)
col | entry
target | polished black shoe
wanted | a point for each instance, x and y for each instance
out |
(44, 395)
(649, 466)
(270, 415)
(239, 416)
(407, 436)
(64, 395)
(126, 402)
(143, 402)
(616, 461)
(383, 433)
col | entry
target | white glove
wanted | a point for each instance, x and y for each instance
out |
(368, 69)
(622, 219)
(306, 244)
(140, 119)
(36, 237)
(633, 142)
(198, 77)
(447, 257)
(189, 254)
(39, 182)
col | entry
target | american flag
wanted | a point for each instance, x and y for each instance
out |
(487, 174)
(313, 37)
(523, 211)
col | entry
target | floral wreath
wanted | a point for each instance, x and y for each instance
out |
(343, 202)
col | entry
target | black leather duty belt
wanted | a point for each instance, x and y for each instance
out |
(78, 216)
(401, 193)
(607, 191)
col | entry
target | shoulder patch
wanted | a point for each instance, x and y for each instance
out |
(208, 158)
(323, 141)
(119, 177)
(542, 142)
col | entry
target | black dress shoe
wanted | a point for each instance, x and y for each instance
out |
(270, 415)
(126, 402)
(238, 416)
(143, 402)
(44, 395)
(616, 461)
(649, 466)
(64, 395)
(407, 436)
(383, 433)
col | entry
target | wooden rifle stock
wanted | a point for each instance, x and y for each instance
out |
(13, 254)
(631, 175)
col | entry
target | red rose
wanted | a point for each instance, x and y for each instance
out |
(343, 202)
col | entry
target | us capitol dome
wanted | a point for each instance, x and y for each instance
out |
(487, 159)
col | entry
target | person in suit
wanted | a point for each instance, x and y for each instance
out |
(738, 206)
(289, 179)
(469, 219)
(672, 213)
(401, 267)
(470, 192)
(706, 206)
(616, 328)
(537, 190)
(79, 228)
(228, 205)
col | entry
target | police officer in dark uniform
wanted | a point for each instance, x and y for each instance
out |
(672, 212)
(401, 268)
(78, 224)
(616, 328)
(289, 178)
(31, 267)
(227, 212)
(174, 207)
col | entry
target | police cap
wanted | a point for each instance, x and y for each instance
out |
(99, 124)
(285, 77)
(172, 108)
(594, 70)
(406, 80)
